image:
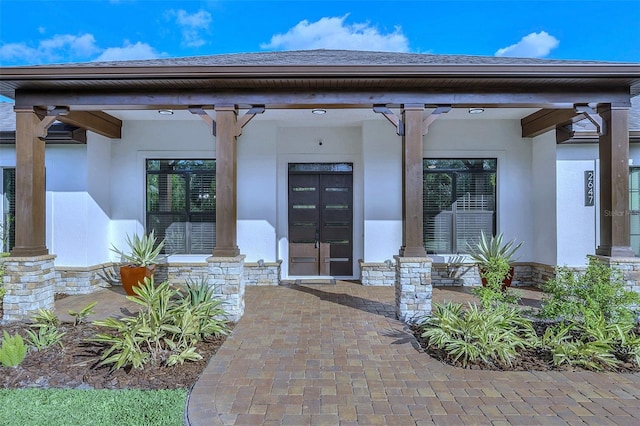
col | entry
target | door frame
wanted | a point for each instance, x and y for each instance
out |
(282, 226)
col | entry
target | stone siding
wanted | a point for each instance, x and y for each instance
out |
(377, 273)
(541, 273)
(181, 273)
(629, 266)
(226, 275)
(267, 273)
(468, 274)
(29, 284)
(413, 288)
(76, 280)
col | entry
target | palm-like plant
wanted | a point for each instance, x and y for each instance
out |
(490, 249)
(143, 250)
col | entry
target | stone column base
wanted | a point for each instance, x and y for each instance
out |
(413, 288)
(226, 275)
(629, 266)
(30, 285)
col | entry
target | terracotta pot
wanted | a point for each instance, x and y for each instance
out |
(505, 283)
(132, 276)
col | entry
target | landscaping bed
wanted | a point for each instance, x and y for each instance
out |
(530, 359)
(76, 365)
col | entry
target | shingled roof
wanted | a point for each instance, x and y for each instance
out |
(328, 57)
(336, 70)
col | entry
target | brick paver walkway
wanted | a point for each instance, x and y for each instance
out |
(336, 355)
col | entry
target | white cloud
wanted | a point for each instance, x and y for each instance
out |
(534, 45)
(59, 48)
(128, 52)
(333, 33)
(192, 26)
(70, 48)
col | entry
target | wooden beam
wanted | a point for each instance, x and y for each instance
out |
(614, 183)
(547, 119)
(96, 121)
(412, 226)
(30, 187)
(302, 99)
(226, 182)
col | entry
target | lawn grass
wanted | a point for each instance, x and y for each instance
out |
(68, 407)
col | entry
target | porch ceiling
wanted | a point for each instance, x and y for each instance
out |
(333, 117)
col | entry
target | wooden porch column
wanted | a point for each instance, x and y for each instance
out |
(412, 238)
(30, 187)
(614, 182)
(226, 182)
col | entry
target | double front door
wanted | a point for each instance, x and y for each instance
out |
(321, 219)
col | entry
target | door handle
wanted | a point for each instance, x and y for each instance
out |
(317, 237)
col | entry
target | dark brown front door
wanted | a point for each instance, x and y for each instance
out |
(321, 219)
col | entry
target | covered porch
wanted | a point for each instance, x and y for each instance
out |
(228, 101)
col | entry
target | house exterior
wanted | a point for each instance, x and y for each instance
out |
(264, 167)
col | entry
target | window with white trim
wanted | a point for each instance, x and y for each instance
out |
(181, 204)
(459, 202)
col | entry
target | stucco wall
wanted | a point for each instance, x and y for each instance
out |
(543, 197)
(257, 192)
(382, 160)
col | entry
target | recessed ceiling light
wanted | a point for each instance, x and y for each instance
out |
(476, 110)
(319, 111)
(165, 112)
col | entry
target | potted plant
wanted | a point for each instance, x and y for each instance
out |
(494, 259)
(140, 261)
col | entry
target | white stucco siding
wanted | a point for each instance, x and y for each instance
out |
(67, 199)
(99, 198)
(499, 139)
(543, 182)
(577, 226)
(382, 167)
(257, 192)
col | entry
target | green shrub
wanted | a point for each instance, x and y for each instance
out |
(165, 330)
(599, 289)
(468, 335)
(13, 350)
(43, 332)
(44, 337)
(80, 316)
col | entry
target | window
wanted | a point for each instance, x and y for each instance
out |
(634, 209)
(459, 202)
(8, 233)
(181, 204)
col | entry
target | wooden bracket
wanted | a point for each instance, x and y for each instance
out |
(199, 110)
(590, 114)
(389, 115)
(564, 133)
(246, 118)
(440, 109)
(47, 120)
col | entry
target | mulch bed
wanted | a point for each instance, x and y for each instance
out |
(533, 359)
(76, 365)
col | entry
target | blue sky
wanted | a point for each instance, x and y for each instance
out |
(40, 32)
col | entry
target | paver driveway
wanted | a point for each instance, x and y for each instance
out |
(336, 355)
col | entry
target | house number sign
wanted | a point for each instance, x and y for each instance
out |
(589, 187)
